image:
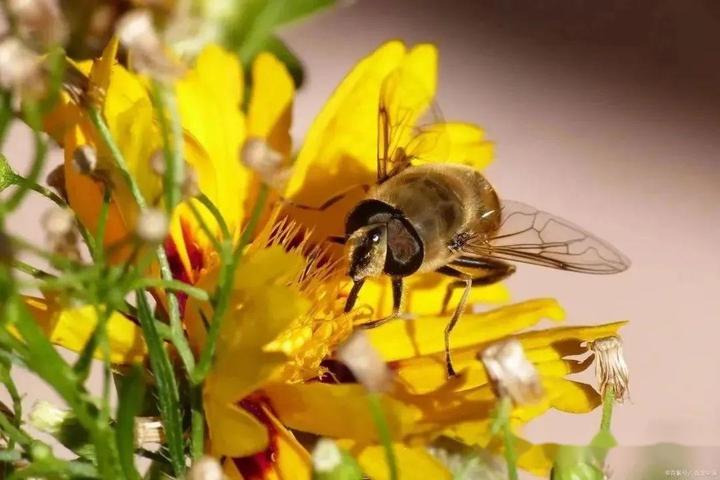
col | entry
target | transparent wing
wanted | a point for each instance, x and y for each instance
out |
(410, 125)
(529, 235)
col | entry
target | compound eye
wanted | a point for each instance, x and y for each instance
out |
(375, 238)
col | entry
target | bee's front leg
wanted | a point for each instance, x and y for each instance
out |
(398, 294)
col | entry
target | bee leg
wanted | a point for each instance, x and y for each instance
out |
(353, 295)
(490, 271)
(484, 272)
(330, 201)
(451, 324)
(398, 291)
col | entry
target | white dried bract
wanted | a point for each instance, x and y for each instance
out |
(258, 156)
(611, 369)
(39, 21)
(206, 468)
(21, 69)
(149, 432)
(510, 373)
(152, 226)
(85, 159)
(326, 456)
(137, 33)
(358, 354)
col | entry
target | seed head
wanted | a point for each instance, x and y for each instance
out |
(510, 372)
(611, 369)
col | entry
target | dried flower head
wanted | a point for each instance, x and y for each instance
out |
(39, 21)
(611, 369)
(206, 468)
(358, 354)
(137, 33)
(21, 69)
(152, 226)
(85, 159)
(267, 163)
(189, 187)
(149, 432)
(510, 372)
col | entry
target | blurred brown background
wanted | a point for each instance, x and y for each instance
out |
(608, 114)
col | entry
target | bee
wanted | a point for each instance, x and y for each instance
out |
(447, 218)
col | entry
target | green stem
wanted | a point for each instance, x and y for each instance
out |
(505, 408)
(197, 422)
(378, 415)
(607, 411)
(173, 144)
(230, 260)
(178, 335)
(172, 285)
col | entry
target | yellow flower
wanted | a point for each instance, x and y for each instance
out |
(274, 371)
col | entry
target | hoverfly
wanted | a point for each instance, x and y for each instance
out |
(447, 218)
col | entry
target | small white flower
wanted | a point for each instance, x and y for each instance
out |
(267, 163)
(39, 21)
(21, 69)
(137, 33)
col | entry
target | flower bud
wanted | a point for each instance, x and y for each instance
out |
(152, 226)
(206, 468)
(39, 21)
(611, 369)
(510, 373)
(7, 175)
(358, 354)
(21, 69)
(267, 163)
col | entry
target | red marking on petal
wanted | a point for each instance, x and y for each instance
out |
(254, 467)
(177, 267)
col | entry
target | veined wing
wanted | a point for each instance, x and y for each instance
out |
(529, 235)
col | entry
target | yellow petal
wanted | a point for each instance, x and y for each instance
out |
(72, 328)
(340, 147)
(413, 463)
(452, 142)
(270, 108)
(339, 411)
(424, 294)
(209, 99)
(404, 339)
(232, 430)
(283, 459)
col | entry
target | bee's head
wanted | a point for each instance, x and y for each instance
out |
(367, 250)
